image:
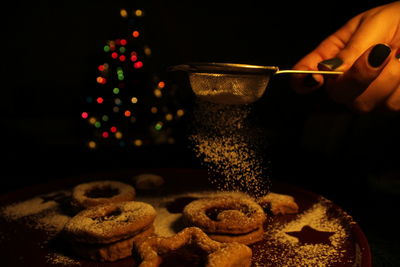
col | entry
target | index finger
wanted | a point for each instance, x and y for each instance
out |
(331, 46)
(327, 49)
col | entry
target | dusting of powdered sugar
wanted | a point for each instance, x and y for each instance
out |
(230, 147)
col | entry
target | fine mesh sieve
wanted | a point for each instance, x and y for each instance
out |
(233, 84)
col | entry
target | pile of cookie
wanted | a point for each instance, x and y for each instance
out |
(109, 224)
(108, 221)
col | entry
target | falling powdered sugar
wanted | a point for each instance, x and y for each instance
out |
(229, 147)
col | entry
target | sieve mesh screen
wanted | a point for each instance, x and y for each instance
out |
(228, 88)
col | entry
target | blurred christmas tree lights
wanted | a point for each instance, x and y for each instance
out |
(130, 104)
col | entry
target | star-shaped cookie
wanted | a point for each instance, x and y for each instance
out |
(192, 240)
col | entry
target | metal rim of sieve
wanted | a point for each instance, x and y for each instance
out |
(233, 83)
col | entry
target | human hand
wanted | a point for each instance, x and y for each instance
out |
(366, 48)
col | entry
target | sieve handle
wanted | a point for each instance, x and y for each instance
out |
(309, 72)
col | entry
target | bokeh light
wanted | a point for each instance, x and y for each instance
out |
(134, 100)
(118, 135)
(101, 80)
(138, 64)
(138, 13)
(147, 51)
(180, 112)
(158, 126)
(161, 84)
(99, 100)
(157, 93)
(135, 34)
(123, 13)
(138, 142)
(92, 144)
(169, 117)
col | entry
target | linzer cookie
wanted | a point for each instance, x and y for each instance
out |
(247, 238)
(108, 232)
(192, 247)
(113, 251)
(95, 193)
(278, 203)
(227, 218)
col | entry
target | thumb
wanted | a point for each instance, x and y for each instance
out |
(347, 87)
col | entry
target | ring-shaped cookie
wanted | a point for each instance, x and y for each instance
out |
(278, 203)
(247, 239)
(95, 193)
(224, 214)
(110, 222)
(113, 251)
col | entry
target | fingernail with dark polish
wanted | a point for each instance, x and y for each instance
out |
(310, 81)
(330, 64)
(378, 55)
(398, 54)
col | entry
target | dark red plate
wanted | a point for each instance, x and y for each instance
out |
(289, 240)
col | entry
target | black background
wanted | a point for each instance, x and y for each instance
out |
(50, 50)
